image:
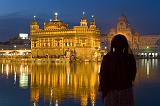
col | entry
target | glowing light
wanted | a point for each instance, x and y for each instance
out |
(15, 77)
(34, 104)
(56, 14)
(23, 82)
(7, 52)
(23, 35)
(92, 16)
(51, 92)
(147, 47)
(148, 72)
(50, 20)
(68, 74)
(156, 54)
(7, 69)
(56, 103)
(99, 68)
(153, 54)
(21, 53)
(34, 17)
(84, 13)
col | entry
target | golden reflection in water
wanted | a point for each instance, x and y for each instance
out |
(58, 82)
(148, 66)
(2, 68)
(7, 70)
(146, 70)
(15, 77)
(16, 70)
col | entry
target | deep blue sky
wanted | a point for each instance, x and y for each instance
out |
(15, 15)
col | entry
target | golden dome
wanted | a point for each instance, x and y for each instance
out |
(84, 18)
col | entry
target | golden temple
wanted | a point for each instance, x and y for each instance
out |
(57, 40)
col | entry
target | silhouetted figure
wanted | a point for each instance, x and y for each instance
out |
(117, 74)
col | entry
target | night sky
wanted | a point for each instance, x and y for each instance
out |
(16, 15)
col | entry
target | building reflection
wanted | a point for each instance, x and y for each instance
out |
(54, 84)
(146, 70)
(19, 72)
(59, 82)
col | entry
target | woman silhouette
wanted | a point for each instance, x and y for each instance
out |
(117, 74)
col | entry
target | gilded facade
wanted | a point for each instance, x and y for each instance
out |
(56, 39)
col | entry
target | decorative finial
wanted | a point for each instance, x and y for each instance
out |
(34, 17)
(84, 13)
(92, 16)
(56, 14)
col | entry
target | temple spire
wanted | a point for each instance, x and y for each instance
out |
(56, 16)
(34, 18)
(84, 14)
(83, 20)
(93, 23)
(93, 19)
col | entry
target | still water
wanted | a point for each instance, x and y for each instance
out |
(29, 84)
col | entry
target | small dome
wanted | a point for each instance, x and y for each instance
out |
(34, 22)
(84, 18)
(93, 22)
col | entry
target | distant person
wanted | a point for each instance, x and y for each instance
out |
(117, 74)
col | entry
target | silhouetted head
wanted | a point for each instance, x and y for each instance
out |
(119, 44)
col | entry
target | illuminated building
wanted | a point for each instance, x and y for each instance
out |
(20, 42)
(145, 44)
(125, 29)
(149, 41)
(56, 39)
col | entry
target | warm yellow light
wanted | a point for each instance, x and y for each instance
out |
(7, 52)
